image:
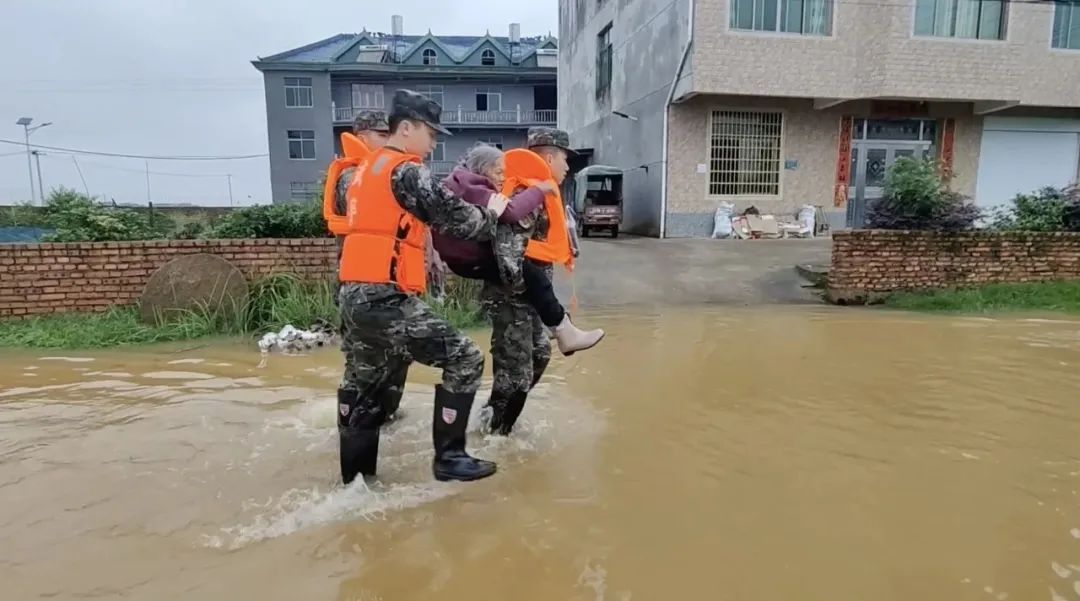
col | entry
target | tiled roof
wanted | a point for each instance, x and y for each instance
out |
(330, 49)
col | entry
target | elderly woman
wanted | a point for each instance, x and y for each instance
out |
(482, 174)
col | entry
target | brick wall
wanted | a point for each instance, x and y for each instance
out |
(867, 265)
(39, 279)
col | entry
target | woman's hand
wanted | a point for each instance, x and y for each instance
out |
(547, 187)
(498, 203)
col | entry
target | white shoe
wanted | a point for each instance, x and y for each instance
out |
(571, 339)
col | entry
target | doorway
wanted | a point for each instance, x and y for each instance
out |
(876, 145)
(545, 98)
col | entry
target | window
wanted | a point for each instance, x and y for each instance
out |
(487, 58)
(603, 62)
(488, 99)
(301, 144)
(968, 19)
(429, 56)
(1066, 24)
(916, 130)
(744, 153)
(368, 96)
(439, 153)
(303, 191)
(495, 141)
(804, 17)
(298, 92)
(433, 92)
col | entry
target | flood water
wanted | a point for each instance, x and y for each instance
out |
(697, 454)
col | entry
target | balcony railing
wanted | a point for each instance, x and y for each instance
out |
(512, 117)
(345, 114)
(441, 167)
(461, 117)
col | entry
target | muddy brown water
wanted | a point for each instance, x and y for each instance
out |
(721, 454)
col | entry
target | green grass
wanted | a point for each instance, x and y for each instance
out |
(118, 327)
(1060, 297)
(461, 305)
(273, 303)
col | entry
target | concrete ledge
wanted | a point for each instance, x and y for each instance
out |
(690, 225)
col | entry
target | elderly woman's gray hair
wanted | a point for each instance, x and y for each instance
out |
(482, 158)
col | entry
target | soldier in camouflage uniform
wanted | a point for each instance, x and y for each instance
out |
(388, 328)
(373, 129)
(520, 344)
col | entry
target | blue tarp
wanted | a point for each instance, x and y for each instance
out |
(22, 235)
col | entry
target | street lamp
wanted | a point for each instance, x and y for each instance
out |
(27, 130)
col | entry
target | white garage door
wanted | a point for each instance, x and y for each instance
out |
(1020, 155)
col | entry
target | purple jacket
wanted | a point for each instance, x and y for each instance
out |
(477, 189)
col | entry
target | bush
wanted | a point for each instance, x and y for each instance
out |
(76, 217)
(294, 220)
(24, 215)
(191, 230)
(918, 198)
(1047, 209)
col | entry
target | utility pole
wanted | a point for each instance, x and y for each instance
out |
(41, 185)
(29, 167)
(229, 176)
(77, 168)
(27, 130)
(147, 181)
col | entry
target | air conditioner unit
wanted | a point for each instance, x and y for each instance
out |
(547, 57)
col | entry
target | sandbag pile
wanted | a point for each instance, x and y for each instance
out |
(291, 340)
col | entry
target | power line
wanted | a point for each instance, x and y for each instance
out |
(141, 156)
(142, 171)
(11, 154)
(31, 90)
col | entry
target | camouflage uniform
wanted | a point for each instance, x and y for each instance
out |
(509, 250)
(364, 121)
(520, 343)
(387, 329)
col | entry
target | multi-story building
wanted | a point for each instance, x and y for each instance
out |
(780, 103)
(492, 89)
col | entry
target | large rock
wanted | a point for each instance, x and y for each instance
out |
(192, 282)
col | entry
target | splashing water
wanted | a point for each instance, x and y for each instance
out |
(405, 479)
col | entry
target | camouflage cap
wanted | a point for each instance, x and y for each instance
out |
(549, 136)
(370, 120)
(417, 107)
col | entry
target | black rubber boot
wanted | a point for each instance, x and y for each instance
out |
(391, 402)
(448, 434)
(358, 437)
(505, 411)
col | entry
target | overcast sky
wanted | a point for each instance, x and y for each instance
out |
(174, 77)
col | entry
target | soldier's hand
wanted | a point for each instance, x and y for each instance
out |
(498, 203)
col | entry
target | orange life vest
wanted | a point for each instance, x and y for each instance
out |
(525, 168)
(385, 244)
(355, 152)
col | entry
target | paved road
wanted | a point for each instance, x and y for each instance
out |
(647, 271)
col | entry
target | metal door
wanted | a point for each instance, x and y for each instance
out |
(870, 161)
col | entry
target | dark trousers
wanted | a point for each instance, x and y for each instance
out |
(539, 292)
